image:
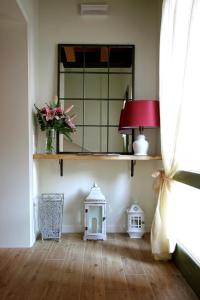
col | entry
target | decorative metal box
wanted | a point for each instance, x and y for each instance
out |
(95, 215)
(50, 215)
(136, 224)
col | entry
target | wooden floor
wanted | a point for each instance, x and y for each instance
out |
(116, 269)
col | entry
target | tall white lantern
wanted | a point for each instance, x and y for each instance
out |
(136, 224)
(95, 215)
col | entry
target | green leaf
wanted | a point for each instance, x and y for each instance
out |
(66, 132)
(41, 120)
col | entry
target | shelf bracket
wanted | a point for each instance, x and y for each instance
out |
(61, 166)
(133, 163)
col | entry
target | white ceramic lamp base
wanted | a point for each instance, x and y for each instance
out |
(140, 145)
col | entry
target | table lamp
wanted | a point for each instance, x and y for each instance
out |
(139, 114)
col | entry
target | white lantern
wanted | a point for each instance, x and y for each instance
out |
(95, 215)
(136, 224)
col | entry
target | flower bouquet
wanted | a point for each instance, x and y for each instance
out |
(52, 118)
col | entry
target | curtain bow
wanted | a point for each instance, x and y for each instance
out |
(160, 179)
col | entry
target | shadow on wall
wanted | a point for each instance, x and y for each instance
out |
(73, 212)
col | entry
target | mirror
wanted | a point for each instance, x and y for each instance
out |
(96, 79)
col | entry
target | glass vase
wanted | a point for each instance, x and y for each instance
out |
(50, 143)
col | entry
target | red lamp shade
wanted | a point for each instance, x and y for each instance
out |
(139, 113)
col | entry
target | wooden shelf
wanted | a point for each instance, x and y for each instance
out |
(95, 157)
(85, 156)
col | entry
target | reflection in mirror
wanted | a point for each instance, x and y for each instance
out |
(77, 109)
(96, 86)
(114, 111)
(71, 85)
(95, 79)
(118, 84)
(95, 112)
(114, 141)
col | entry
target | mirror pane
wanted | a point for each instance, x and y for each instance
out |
(96, 57)
(103, 139)
(95, 139)
(120, 70)
(96, 86)
(70, 70)
(115, 140)
(75, 145)
(72, 60)
(115, 108)
(95, 112)
(96, 70)
(118, 84)
(77, 110)
(120, 57)
(71, 85)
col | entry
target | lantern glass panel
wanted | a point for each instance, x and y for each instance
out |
(136, 222)
(95, 214)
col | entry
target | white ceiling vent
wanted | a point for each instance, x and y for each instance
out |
(94, 9)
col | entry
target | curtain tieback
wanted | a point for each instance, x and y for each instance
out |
(160, 179)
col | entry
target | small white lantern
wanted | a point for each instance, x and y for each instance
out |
(136, 224)
(95, 215)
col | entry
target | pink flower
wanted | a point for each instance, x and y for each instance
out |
(72, 117)
(50, 114)
(44, 110)
(58, 110)
(70, 123)
(69, 109)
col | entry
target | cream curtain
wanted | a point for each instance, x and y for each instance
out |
(179, 111)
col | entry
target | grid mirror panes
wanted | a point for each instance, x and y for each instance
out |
(96, 79)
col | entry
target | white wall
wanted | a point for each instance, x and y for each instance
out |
(18, 80)
(30, 11)
(129, 22)
(14, 130)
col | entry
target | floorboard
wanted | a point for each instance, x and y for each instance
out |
(119, 268)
